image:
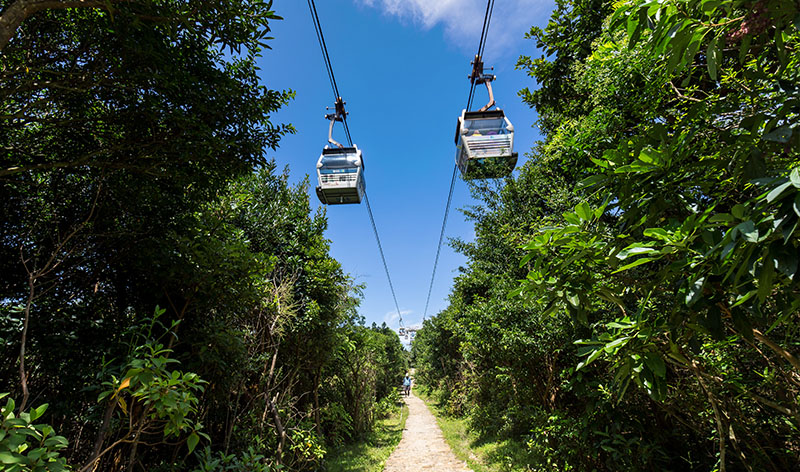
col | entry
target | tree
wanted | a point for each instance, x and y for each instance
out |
(688, 231)
(655, 235)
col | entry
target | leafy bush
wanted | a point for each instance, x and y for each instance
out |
(632, 294)
(388, 405)
(29, 447)
(247, 461)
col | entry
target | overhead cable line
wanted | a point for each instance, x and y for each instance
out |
(383, 258)
(441, 238)
(343, 115)
(312, 7)
(487, 18)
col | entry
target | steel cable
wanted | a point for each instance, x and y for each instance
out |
(312, 6)
(336, 95)
(441, 238)
(487, 17)
(383, 258)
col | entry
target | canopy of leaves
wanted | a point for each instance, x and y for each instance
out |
(133, 175)
(664, 275)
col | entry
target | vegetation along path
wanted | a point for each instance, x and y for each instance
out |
(423, 446)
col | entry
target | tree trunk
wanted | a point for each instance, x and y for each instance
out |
(317, 418)
(23, 376)
(278, 430)
(101, 435)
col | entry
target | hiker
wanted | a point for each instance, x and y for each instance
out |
(407, 385)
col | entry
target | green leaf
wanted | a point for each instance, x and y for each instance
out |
(651, 156)
(592, 357)
(637, 262)
(678, 48)
(712, 58)
(9, 458)
(695, 291)
(613, 156)
(780, 46)
(572, 218)
(599, 162)
(635, 249)
(618, 325)
(777, 191)
(738, 211)
(721, 218)
(636, 167)
(584, 211)
(656, 364)
(590, 181)
(747, 229)
(192, 441)
(779, 135)
(38, 412)
(631, 25)
(694, 46)
(712, 321)
(787, 263)
(709, 5)
(573, 300)
(657, 233)
(614, 345)
(744, 49)
(766, 278)
(794, 176)
(744, 298)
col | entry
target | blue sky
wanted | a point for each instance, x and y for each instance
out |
(402, 67)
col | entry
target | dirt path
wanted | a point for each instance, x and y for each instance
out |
(423, 447)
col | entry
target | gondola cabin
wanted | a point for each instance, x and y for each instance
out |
(341, 176)
(485, 144)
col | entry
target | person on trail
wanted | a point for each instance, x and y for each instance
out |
(407, 385)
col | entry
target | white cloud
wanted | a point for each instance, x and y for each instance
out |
(391, 318)
(463, 19)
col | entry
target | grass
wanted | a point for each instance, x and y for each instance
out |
(482, 454)
(370, 454)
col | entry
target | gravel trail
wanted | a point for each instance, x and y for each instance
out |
(422, 447)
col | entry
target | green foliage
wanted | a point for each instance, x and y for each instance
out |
(307, 446)
(159, 399)
(368, 368)
(26, 446)
(135, 173)
(370, 454)
(248, 461)
(654, 232)
(388, 405)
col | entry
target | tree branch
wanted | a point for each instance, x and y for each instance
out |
(19, 11)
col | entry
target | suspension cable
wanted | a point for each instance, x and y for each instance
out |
(441, 238)
(312, 7)
(336, 96)
(487, 18)
(383, 258)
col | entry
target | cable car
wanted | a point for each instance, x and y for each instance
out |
(402, 331)
(340, 172)
(484, 138)
(340, 169)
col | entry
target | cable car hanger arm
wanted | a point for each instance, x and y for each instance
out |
(339, 115)
(479, 77)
